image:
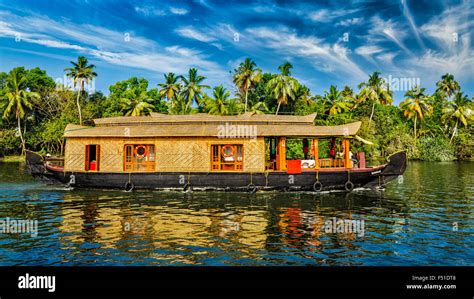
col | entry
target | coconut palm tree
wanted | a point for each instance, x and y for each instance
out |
(458, 111)
(416, 106)
(447, 86)
(179, 105)
(19, 99)
(375, 90)
(259, 108)
(303, 95)
(334, 101)
(283, 87)
(246, 76)
(137, 103)
(218, 105)
(80, 73)
(192, 90)
(171, 86)
(285, 68)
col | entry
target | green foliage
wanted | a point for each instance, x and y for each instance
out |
(435, 149)
(444, 120)
(9, 142)
(464, 143)
(132, 97)
(219, 103)
(294, 149)
(283, 87)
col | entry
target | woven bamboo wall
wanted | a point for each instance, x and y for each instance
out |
(172, 154)
(111, 154)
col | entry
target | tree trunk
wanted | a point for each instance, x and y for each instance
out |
(372, 114)
(454, 131)
(61, 142)
(21, 138)
(79, 107)
(246, 96)
(278, 108)
(415, 127)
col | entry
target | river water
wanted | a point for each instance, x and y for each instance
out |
(424, 218)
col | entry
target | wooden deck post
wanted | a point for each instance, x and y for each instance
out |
(347, 158)
(315, 150)
(281, 153)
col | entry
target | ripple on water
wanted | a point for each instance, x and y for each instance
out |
(426, 220)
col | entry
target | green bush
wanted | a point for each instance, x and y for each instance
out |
(9, 142)
(435, 149)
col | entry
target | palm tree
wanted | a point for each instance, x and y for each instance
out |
(375, 90)
(459, 110)
(171, 86)
(137, 103)
(335, 101)
(447, 86)
(18, 100)
(192, 88)
(285, 68)
(416, 105)
(283, 87)
(259, 108)
(246, 76)
(303, 95)
(219, 104)
(179, 105)
(81, 73)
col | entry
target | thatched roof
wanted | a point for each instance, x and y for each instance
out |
(204, 118)
(204, 125)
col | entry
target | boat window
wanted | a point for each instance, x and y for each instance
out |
(227, 157)
(92, 157)
(139, 157)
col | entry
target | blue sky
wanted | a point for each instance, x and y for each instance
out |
(337, 43)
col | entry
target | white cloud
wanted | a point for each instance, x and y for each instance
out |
(349, 22)
(460, 64)
(108, 45)
(324, 56)
(150, 11)
(409, 17)
(368, 50)
(386, 57)
(178, 10)
(447, 28)
(191, 32)
(389, 29)
(327, 15)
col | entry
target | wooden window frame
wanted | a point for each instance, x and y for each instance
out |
(216, 162)
(133, 165)
(97, 157)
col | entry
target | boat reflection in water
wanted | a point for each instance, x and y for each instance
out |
(176, 228)
(424, 220)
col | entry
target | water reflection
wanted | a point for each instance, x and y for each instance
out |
(410, 223)
(250, 226)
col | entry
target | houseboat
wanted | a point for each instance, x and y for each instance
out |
(246, 152)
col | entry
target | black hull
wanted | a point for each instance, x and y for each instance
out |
(230, 181)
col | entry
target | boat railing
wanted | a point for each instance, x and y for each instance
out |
(55, 161)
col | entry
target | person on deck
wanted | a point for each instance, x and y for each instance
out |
(355, 162)
(305, 148)
(332, 151)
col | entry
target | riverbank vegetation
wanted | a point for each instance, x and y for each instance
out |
(437, 127)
